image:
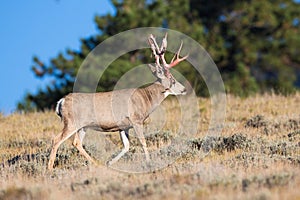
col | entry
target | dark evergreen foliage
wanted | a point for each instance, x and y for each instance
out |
(254, 43)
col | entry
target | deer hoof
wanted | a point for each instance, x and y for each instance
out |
(108, 163)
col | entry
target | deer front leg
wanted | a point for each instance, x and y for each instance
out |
(125, 141)
(138, 128)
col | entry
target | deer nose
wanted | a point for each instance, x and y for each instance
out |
(183, 91)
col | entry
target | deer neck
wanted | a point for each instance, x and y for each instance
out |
(154, 94)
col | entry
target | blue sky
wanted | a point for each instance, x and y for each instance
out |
(42, 28)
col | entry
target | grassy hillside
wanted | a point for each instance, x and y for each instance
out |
(257, 156)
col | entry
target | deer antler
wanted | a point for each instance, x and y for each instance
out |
(159, 54)
(156, 52)
(178, 59)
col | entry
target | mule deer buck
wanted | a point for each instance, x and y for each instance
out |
(130, 109)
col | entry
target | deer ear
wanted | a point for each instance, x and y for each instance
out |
(152, 68)
(158, 73)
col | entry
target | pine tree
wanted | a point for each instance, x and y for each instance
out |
(255, 44)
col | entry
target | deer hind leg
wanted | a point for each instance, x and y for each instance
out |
(78, 144)
(57, 141)
(139, 133)
(125, 141)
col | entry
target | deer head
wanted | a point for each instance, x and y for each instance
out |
(161, 69)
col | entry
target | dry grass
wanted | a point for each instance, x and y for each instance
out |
(257, 156)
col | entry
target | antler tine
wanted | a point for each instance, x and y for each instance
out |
(154, 45)
(178, 59)
(164, 44)
(154, 48)
(177, 53)
(157, 69)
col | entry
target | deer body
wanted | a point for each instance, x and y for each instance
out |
(117, 110)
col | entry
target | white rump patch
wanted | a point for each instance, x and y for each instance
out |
(59, 104)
